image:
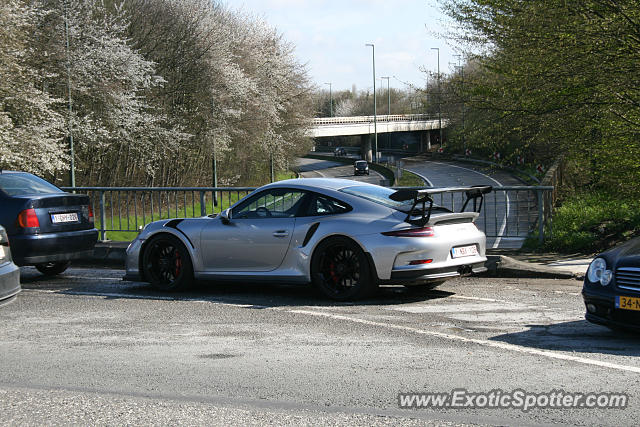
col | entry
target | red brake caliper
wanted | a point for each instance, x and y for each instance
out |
(333, 273)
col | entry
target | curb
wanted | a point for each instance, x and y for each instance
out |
(505, 266)
(114, 253)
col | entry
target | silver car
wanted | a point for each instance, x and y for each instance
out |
(9, 272)
(343, 236)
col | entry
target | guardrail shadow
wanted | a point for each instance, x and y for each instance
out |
(577, 336)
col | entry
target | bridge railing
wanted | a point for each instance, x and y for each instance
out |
(370, 119)
(507, 212)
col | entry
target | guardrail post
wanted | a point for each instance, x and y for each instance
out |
(103, 232)
(540, 216)
(203, 207)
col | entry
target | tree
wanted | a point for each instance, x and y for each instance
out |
(30, 128)
(554, 78)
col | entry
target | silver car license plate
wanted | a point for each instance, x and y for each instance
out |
(462, 251)
(64, 217)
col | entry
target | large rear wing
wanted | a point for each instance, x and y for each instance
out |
(424, 197)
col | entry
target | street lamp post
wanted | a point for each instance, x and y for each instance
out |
(439, 107)
(388, 96)
(72, 172)
(330, 101)
(375, 113)
(388, 112)
(461, 67)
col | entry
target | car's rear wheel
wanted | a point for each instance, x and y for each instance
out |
(166, 264)
(340, 270)
(53, 268)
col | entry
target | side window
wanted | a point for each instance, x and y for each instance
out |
(323, 205)
(274, 203)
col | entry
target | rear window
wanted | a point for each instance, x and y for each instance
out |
(380, 195)
(376, 194)
(18, 184)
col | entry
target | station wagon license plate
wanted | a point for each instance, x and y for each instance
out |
(462, 251)
(64, 217)
(627, 303)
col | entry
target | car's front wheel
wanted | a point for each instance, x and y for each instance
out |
(53, 268)
(340, 270)
(166, 264)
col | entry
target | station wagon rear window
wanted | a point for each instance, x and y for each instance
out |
(18, 184)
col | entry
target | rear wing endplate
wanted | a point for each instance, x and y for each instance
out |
(424, 197)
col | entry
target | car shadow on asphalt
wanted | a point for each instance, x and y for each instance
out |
(107, 281)
(251, 294)
(261, 295)
(577, 336)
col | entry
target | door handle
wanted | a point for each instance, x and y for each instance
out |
(280, 233)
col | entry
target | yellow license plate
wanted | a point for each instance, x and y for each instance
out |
(628, 303)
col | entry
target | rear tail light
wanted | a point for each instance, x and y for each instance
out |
(91, 218)
(411, 232)
(420, 261)
(28, 219)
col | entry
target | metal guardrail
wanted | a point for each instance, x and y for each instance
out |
(129, 208)
(509, 211)
(370, 119)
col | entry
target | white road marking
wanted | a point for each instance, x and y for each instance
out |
(486, 343)
(479, 299)
(468, 307)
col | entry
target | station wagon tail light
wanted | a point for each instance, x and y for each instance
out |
(411, 232)
(91, 218)
(28, 219)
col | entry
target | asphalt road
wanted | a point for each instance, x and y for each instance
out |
(88, 348)
(313, 168)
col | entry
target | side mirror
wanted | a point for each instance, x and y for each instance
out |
(225, 216)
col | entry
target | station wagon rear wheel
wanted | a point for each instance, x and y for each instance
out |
(166, 264)
(340, 270)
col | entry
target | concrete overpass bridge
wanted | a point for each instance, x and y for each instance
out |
(427, 129)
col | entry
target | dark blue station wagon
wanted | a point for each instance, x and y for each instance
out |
(47, 227)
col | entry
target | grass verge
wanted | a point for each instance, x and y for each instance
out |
(590, 222)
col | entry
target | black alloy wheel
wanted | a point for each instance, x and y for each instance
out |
(166, 264)
(340, 270)
(53, 268)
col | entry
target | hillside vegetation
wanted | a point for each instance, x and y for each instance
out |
(148, 90)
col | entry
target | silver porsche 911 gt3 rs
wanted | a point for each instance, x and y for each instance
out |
(343, 236)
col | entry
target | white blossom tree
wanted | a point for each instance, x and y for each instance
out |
(31, 131)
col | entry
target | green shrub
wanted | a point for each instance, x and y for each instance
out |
(590, 222)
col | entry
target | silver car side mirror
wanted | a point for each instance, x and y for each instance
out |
(225, 216)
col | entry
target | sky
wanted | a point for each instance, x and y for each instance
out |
(330, 36)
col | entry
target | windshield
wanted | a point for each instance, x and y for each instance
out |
(18, 184)
(376, 194)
